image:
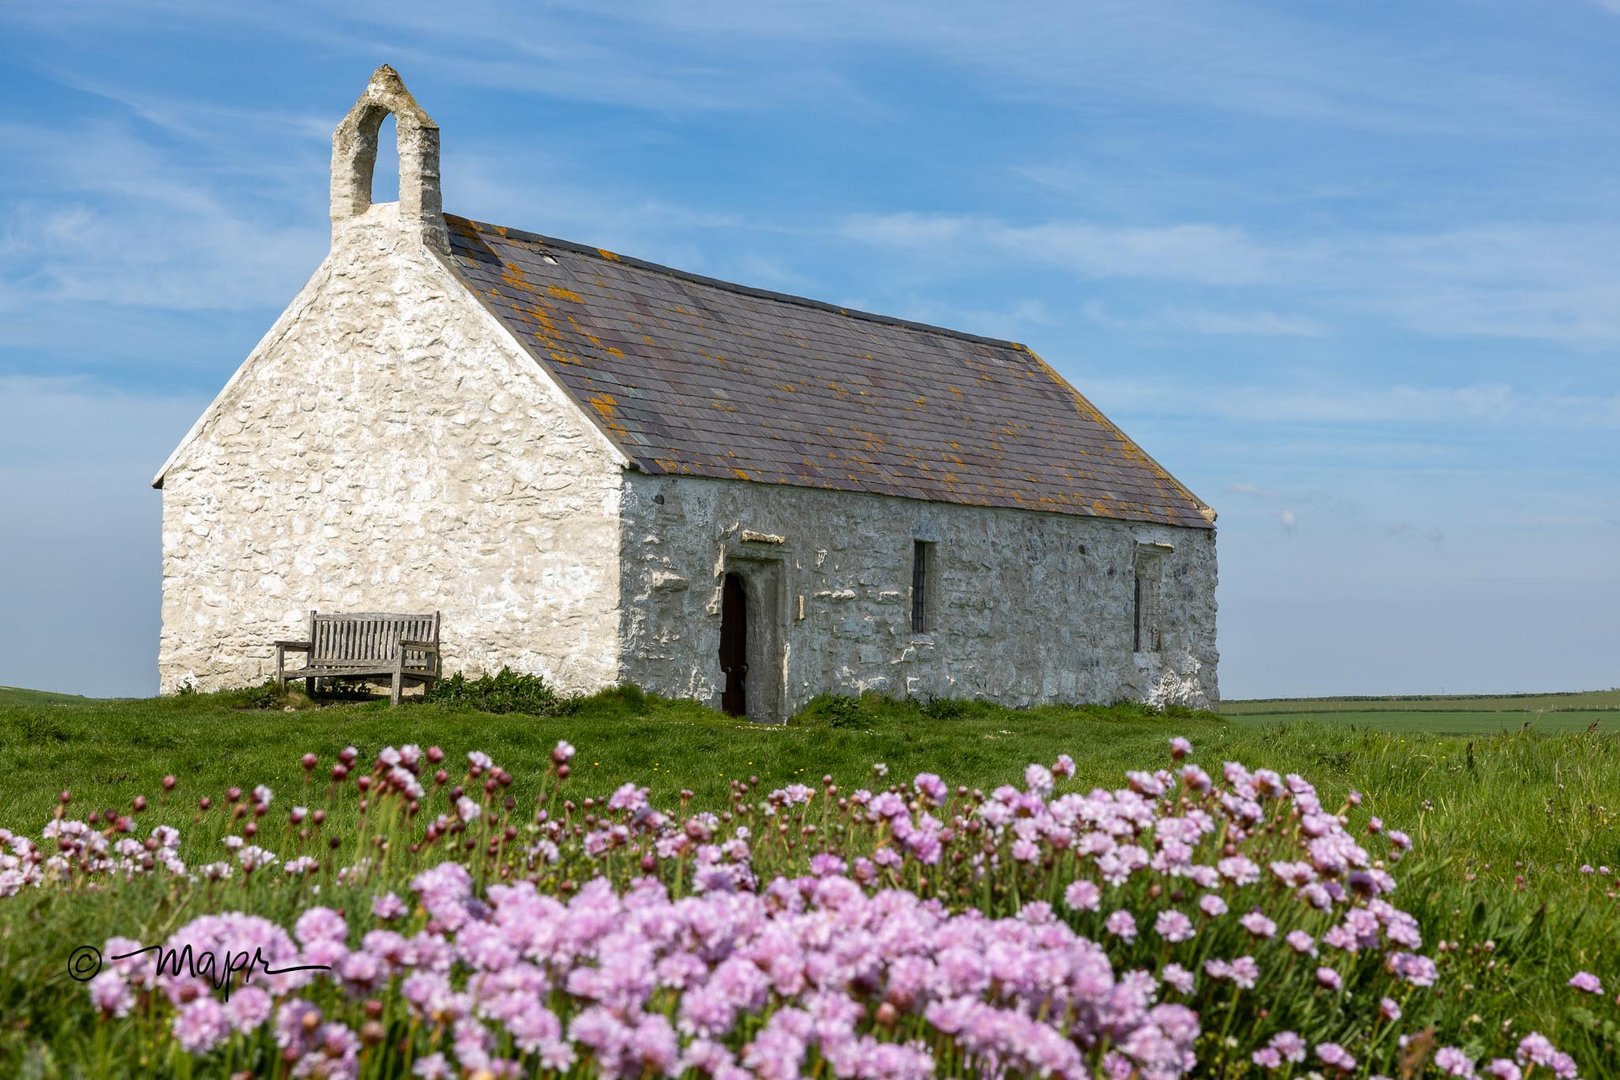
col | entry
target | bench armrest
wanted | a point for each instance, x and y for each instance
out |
(419, 646)
(292, 646)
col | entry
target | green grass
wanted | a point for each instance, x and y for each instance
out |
(13, 695)
(1544, 714)
(1501, 821)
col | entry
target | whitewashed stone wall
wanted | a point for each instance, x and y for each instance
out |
(1028, 607)
(388, 448)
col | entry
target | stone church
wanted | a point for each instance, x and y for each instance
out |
(603, 470)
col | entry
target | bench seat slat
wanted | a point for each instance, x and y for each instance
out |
(371, 643)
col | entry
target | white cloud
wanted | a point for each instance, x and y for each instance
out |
(1212, 254)
(1474, 404)
(1210, 321)
(109, 219)
(1557, 282)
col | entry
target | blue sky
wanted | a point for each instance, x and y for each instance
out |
(1352, 272)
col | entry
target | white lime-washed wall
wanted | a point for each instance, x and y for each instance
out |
(388, 447)
(1027, 607)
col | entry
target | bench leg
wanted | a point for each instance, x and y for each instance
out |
(309, 688)
(394, 696)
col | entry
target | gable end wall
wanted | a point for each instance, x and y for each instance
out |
(392, 450)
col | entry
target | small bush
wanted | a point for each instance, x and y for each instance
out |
(836, 710)
(945, 708)
(505, 692)
(267, 696)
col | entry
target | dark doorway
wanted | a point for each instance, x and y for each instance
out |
(734, 646)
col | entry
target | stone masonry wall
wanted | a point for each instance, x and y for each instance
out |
(388, 448)
(1027, 607)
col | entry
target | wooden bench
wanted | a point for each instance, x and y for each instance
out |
(370, 644)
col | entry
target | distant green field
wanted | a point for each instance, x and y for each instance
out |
(1441, 715)
(12, 695)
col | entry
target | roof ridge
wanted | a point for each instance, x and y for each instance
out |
(736, 287)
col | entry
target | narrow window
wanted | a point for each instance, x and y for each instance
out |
(919, 586)
(1147, 584)
(1136, 637)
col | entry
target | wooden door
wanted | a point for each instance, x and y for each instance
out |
(734, 646)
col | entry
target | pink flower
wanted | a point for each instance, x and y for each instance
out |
(1289, 1045)
(388, 907)
(1082, 896)
(1179, 748)
(200, 1025)
(1328, 978)
(1335, 1056)
(1388, 1009)
(1122, 924)
(1178, 977)
(931, 787)
(1453, 1062)
(1258, 925)
(433, 1067)
(1586, 982)
(1173, 926)
(320, 924)
(111, 994)
(248, 1008)
(1212, 905)
(1417, 970)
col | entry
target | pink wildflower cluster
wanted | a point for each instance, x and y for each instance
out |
(873, 984)
(906, 930)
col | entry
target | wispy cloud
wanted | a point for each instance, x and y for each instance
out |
(1552, 282)
(111, 219)
(1488, 404)
(1185, 320)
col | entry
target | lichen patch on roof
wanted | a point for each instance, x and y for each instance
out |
(704, 378)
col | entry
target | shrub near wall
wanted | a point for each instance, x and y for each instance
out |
(1182, 922)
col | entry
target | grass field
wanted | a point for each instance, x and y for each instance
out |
(1444, 715)
(1502, 821)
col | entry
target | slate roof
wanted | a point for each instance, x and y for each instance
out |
(693, 376)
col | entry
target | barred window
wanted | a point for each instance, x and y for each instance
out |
(920, 615)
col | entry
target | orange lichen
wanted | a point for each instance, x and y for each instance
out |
(564, 294)
(608, 255)
(615, 351)
(513, 276)
(543, 317)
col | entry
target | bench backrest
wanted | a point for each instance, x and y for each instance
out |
(366, 637)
